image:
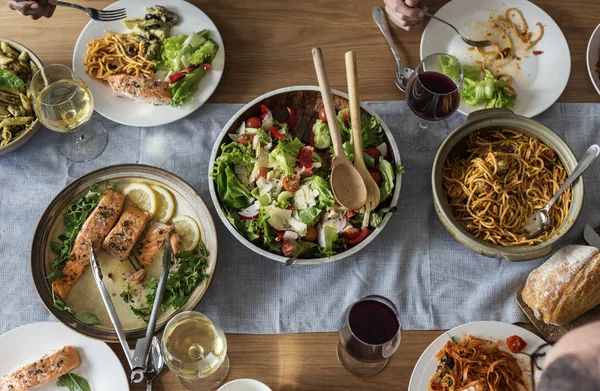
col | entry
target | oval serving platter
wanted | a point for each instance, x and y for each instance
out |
(84, 296)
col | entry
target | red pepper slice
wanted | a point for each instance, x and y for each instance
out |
(364, 232)
(346, 117)
(175, 77)
(276, 134)
(292, 121)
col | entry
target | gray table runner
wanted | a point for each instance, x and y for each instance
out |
(436, 283)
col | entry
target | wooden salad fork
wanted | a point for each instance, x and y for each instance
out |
(373, 194)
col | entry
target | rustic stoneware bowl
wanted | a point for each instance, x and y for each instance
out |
(22, 139)
(454, 145)
(307, 101)
(41, 257)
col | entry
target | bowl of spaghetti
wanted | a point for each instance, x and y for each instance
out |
(492, 172)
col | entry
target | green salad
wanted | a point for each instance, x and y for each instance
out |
(186, 58)
(274, 188)
(480, 86)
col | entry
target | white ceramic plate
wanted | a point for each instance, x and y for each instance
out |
(593, 54)
(125, 111)
(541, 80)
(99, 364)
(427, 364)
(244, 385)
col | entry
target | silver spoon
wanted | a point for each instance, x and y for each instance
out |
(403, 72)
(539, 221)
(479, 44)
(154, 363)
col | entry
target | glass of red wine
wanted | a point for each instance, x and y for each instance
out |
(433, 94)
(369, 335)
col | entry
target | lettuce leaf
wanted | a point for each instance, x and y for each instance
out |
(284, 155)
(322, 135)
(170, 47)
(387, 172)
(325, 198)
(310, 215)
(185, 88)
(205, 53)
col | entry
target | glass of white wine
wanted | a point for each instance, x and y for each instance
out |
(63, 103)
(195, 349)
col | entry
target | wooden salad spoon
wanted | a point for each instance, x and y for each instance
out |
(373, 195)
(346, 182)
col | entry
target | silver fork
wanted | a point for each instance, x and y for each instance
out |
(96, 14)
(470, 42)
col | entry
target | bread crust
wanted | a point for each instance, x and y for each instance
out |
(565, 286)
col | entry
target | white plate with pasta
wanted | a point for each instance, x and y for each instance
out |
(133, 113)
(427, 365)
(539, 74)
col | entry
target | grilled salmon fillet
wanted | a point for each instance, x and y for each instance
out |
(152, 241)
(141, 89)
(42, 371)
(94, 230)
(125, 234)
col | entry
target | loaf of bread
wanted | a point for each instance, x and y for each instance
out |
(565, 286)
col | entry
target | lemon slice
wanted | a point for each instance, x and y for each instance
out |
(188, 231)
(142, 195)
(166, 204)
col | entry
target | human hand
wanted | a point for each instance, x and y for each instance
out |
(34, 8)
(403, 15)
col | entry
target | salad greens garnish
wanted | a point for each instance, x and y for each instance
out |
(480, 86)
(73, 382)
(274, 188)
(187, 273)
(186, 59)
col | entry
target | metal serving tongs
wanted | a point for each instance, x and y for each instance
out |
(136, 358)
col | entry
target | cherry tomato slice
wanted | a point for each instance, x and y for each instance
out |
(376, 176)
(253, 122)
(323, 115)
(291, 183)
(305, 156)
(264, 109)
(207, 66)
(364, 232)
(262, 172)
(350, 233)
(245, 139)
(279, 237)
(275, 133)
(515, 344)
(288, 248)
(346, 121)
(373, 152)
(292, 121)
(350, 213)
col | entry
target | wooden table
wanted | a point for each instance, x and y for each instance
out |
(268, 46)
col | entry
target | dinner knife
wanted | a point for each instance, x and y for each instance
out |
(590, 236)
